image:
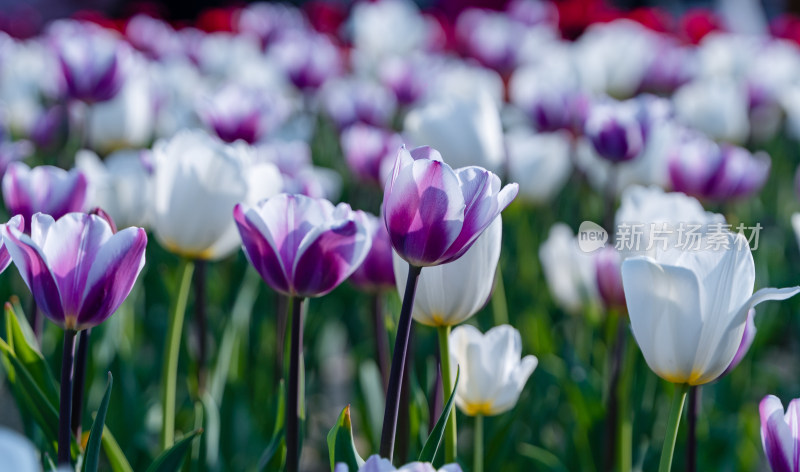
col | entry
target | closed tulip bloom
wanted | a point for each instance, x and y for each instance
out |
(434, 214)
(245, 113)
(77, 269)
(307, 58)
(367, 149)
(45, 189)
(540, 162)
(125, 121)
(376, 272)
(569, 272)
(780, 433)
(615, 131)
(609, 278)
(5, 257)
(451, 293)
(688, 308)
(197, 180)
(302, 246)
(492, 372)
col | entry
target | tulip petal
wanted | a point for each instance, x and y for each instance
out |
(507, 397)
(260, 249)
(664, 307)
(112, 273)
(776, 437)
(32, 266)
(17, 222)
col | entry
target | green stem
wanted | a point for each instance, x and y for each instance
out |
(672, 428)
(499, 302)
(450, 438)
(169, 373)
(478, 446)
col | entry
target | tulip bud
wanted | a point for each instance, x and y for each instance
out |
(609, 277)
(614, 131)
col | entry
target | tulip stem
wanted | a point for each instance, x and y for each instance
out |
(499, 302)
(478, 446)
(691, 439)
(65, 401)
(450, 438)
(293, 404)
(672, 428)
(398, 365)
(171, 351)
(381, 339)
(79, 381)
(200, 325)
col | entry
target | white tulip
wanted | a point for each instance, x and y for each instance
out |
(466, 129)
(121, 185)
(540, 162)
(386, 28)
(570, 272)
(125, 121)
(197, 180)
(492, 373)
(18, 452)
(688, 308)
(717, 106)
(448, 294)
(653, 213)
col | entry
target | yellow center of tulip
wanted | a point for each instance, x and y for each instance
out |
(474, 409)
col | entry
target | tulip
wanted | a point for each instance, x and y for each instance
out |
(465, 129)
(44, 189)
(293, 160)
(451, 293)
(121, 184)
(302, 247)
(715, 106)
(155, 38)
(350, 101)
(376, 464)
(493, 38)
(387, 28)
(197, 180)
(79, 273)
(609, 278)
(367, 150)
(540, 162)
(569, 272)
(94, 63)
(268, 21)
(493, 374)
(434, 214)
(13, 151)
(400, 76)
(18, 453)
(686, 336)
(703, 169)
(780, 433)
(614, 131)
(551, 103)
(245, 113)
(308, 59)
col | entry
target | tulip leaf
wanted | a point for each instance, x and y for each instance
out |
(271, 449)
(340, 443)
(116, 458)
(435, 438)
(23, 344)
(172, 459)
(91, 459)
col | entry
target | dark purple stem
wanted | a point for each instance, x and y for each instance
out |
(404, 412)
(381, 339)
(398, 366)
(436, 402)
(65, 401)
(691, 440)
(293, 398)
(78, 384)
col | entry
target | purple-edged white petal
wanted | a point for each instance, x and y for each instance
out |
(778, 440)
(5, 258)
(45, 189)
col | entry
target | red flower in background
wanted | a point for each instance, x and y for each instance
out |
(697, 23)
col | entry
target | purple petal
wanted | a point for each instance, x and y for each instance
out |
(260, 249)
(377, 271)
(423, 207)
(115, 267)
(5, 258)
(776, 437)
(748, 336)
(32, 266)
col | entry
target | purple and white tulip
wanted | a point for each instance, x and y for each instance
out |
(401, 75)
(302, 246)
(377, 464)
(615, 131)
(45, 189)
(367, 150)
(307, 58)
(245, 113)
(609, 277)
(18, 223)
(376, 272)
(780, 433)
(78, 270)
(433, 213)
(350, 101)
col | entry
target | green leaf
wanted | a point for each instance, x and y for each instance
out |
(435, 438)
(92, 457)
(340, 443)
(172, 459)
(23, 344)
(114, 454)
(271, 449)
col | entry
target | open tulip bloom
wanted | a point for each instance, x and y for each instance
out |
(79, 272)
(780, 433)
(688, 312)
(434, 214)
(302, 247)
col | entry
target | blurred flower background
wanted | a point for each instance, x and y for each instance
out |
(168, 115)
